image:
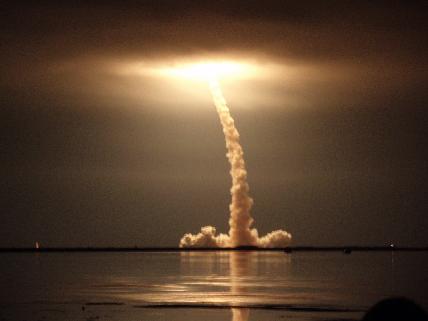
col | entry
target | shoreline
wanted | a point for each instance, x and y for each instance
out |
(344, 249)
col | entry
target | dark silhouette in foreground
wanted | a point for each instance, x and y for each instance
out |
(396, 309)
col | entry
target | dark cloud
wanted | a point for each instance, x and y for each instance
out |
(288, 30)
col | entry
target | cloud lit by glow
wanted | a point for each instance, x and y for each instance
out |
(209, 70)
(196, 70)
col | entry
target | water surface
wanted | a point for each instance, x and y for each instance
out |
(206, 285)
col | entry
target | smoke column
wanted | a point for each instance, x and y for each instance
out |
(240, 221)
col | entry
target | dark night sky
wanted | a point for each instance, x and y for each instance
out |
(334, 136)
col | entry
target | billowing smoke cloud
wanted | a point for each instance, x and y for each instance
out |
(240, 221)
(208, 238)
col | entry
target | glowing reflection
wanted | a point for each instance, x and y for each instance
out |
(239, 271)
(213, 279)
(240, 314)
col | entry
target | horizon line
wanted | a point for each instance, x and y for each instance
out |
(345, 249)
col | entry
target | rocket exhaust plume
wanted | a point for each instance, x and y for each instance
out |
(240, 219)
(241, 232)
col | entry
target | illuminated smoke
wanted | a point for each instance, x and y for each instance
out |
(240, 221)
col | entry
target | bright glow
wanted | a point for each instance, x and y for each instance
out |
(197, 70)
(208, 70)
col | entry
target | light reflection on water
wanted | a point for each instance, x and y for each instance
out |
(235, 279)
(260, 279)
(254, 279)
(263, 284)
(239, 269)
(239, 280)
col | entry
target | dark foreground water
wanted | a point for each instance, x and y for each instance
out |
(206, 286)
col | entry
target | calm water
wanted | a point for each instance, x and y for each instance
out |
(206, 286)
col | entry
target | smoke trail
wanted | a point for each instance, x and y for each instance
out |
(240, 221)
